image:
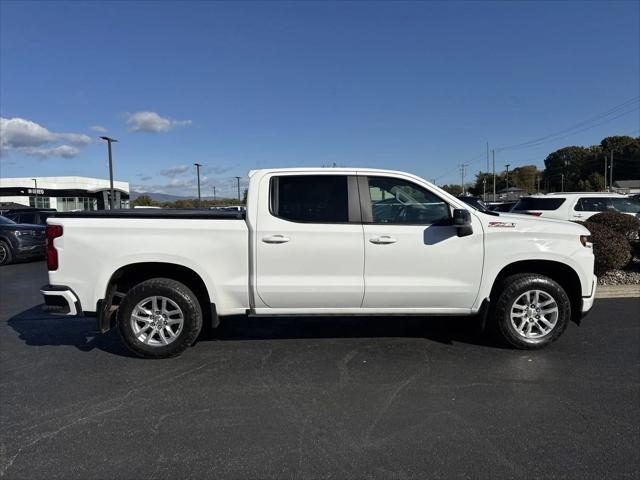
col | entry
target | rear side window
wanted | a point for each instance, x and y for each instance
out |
(310, 198)
(592, 204)
(534, 203)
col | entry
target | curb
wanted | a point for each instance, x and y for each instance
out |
(617, 291)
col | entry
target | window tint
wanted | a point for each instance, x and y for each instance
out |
(535, 203)
(28, 218)
(401, 202)
(310, 198)
(626, 205)
(592, 204)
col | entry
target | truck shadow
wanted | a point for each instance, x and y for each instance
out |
(37, 328)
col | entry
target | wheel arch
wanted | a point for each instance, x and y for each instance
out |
(127, 276)
(560, 272)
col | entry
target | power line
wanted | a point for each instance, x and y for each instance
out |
(577, 127)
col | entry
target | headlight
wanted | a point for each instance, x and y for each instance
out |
(585, 240)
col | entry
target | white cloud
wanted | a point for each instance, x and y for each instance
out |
(151, 122)
(174, 171)
(98, 128)
(33, 139)
(64, 151)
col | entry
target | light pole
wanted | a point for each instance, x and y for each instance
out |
(507, 165)
(112, 194)
(35, 204)
(238, 179)
(214, 193)
(198, 165)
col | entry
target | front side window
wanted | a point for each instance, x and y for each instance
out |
(397, 201)
(626, 205)
(592, 204)
(310, 198)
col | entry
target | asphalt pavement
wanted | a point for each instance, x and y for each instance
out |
(316, 398)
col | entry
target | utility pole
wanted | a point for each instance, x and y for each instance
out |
(198, 165)
(35, 204)
(238, 179)
(507, 165)
(538, 180)
(487, 157)
(562, 182)
(493, 152)
(611, 172)
(462, 168)
(605, 172)
(214, 193)
(484, 187)
(112, 192)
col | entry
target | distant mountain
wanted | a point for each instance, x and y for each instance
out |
(158, 197)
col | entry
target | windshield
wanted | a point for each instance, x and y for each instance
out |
(626, 205)
(6, 221)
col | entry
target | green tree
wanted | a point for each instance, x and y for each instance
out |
(452, 189)
(143, 201)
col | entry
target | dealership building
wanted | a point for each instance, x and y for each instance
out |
(63, 193)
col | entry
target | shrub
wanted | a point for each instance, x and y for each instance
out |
(623, 224)
(611, 249)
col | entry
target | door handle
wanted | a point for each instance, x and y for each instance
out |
(275, 239)
(578, 215)
(383, 240)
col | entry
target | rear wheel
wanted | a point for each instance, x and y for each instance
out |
(159, 318)
(6, 256)
(532, 311)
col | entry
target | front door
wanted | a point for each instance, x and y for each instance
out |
(309, 243)
(414, 258)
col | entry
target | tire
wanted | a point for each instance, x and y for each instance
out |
(6, 255)
(531, 312)
(154, 330)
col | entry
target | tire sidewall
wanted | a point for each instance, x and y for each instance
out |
(9, 257)
(516, 286)
(173, 290)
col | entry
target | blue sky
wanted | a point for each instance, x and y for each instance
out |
(416, 86)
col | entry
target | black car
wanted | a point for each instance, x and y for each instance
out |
(33, 216)
(475, 202)
(20, 241)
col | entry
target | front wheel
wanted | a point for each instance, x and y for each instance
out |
(5, 253)
(159, 318)
(532, 311)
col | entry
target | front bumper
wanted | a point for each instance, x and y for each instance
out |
(60, 300)
(587, 302)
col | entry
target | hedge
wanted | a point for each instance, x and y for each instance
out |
(626, 225)
(611, 249)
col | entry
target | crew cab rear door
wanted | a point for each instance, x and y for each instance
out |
(414, 258)
(309, 242)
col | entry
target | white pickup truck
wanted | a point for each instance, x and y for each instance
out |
(319, 242)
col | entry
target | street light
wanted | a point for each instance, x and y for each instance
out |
(36, 189)
(198, 165)
(238, 179)
(109, 141)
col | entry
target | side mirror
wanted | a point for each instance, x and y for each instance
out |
(462, 222)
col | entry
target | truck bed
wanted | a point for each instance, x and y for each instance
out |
(187, 213)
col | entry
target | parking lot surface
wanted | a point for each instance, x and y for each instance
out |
(316, 398)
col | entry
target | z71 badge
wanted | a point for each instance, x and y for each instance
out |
(502, 224)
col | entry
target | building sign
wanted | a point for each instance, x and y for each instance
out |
(36, 191)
